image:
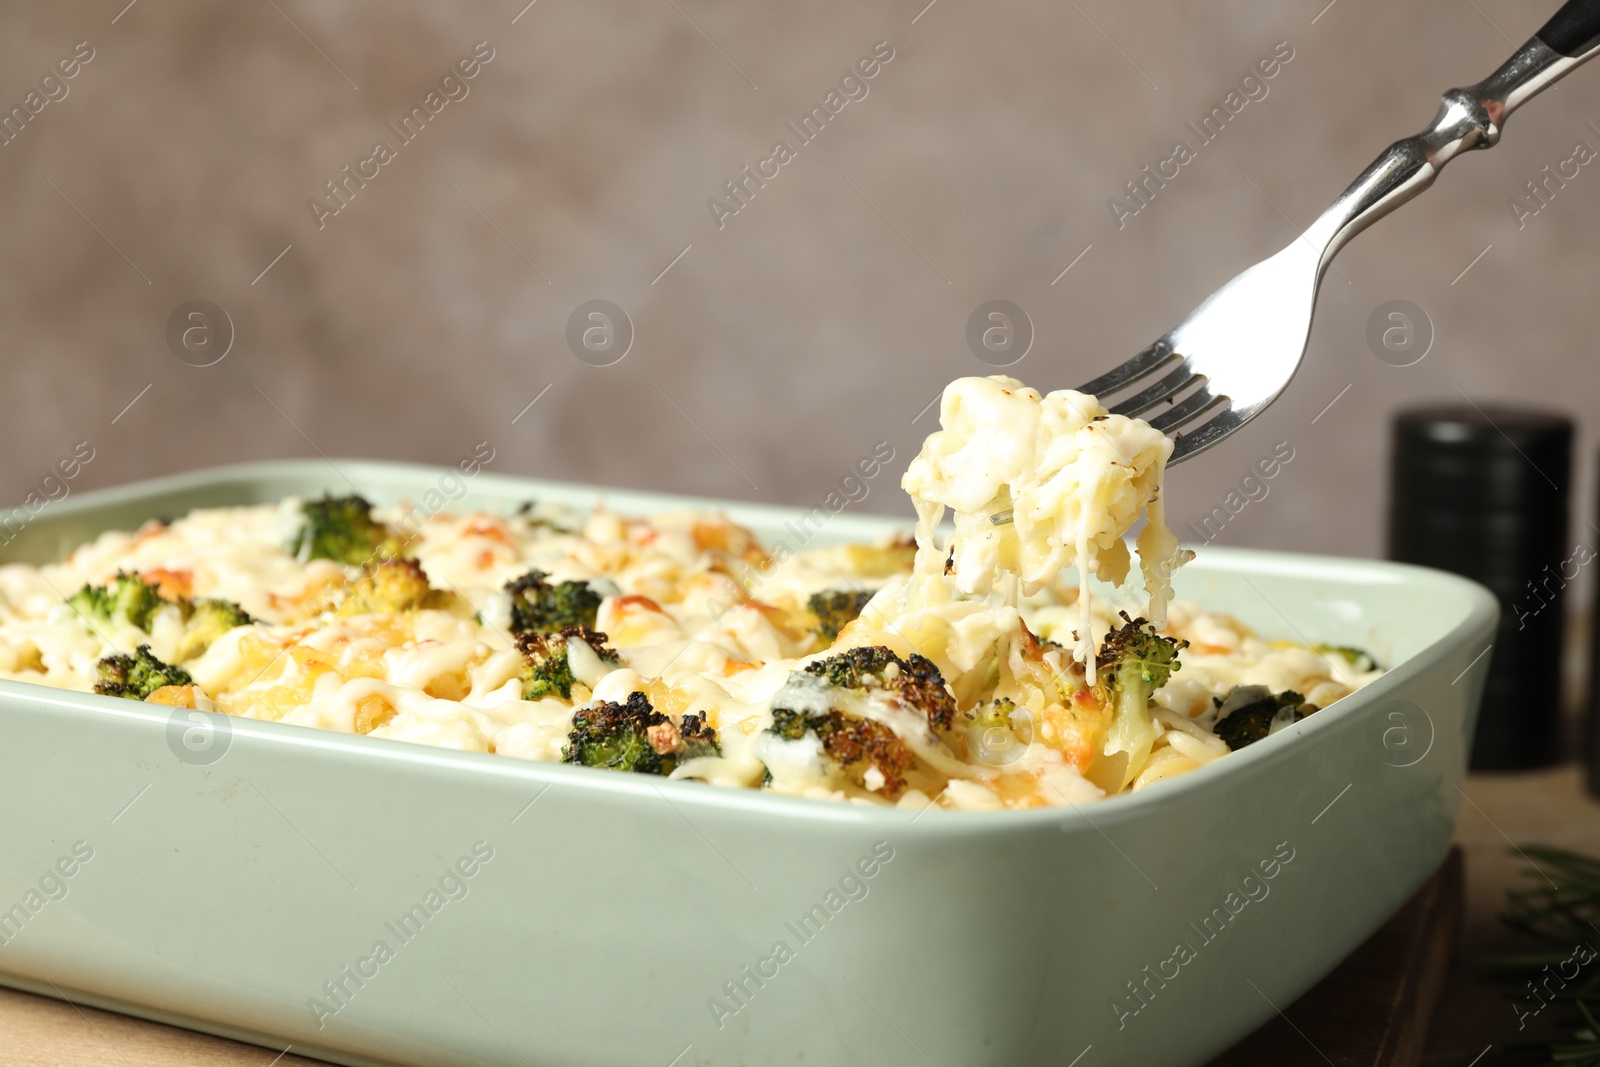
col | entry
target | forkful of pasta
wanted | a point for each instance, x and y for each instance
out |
(1220, 367)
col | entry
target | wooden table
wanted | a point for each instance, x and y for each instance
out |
(1471, 1022)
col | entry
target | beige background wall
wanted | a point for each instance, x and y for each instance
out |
(825, 315)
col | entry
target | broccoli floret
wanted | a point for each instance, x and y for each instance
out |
(525, 511)
(537, 606)
(342, 529)
(1359, 659)
(547, 667)
(1248, 713)
(1133, 662)
(135, 677)
(818, 701)
(915, 681)
(127, 600)
(835, 609)
(130, 600)
(389, 588)
(993, 713)
(997, 734)
(209, 618)
(854, 667)
(635, 737)
(849, 741)
(1134, 656)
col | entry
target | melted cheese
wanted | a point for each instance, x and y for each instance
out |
(706, 622)
(1075, 478)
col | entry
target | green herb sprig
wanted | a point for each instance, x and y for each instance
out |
(1560, 910)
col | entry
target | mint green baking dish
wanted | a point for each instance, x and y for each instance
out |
(241, 879)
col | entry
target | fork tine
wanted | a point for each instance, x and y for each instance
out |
(1146, 399)
(1204, 436)
(1152, 359)
(1194, 404)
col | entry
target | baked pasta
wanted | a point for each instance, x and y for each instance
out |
(967, 670)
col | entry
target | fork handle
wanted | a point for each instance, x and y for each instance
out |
(1468, 118)
(1574, 30)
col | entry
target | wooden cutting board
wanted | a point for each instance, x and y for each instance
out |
(1371, 1012)
(1374, 1010)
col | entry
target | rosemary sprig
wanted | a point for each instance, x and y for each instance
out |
(1561, 911)
(1582, 1047)
(1562, 906)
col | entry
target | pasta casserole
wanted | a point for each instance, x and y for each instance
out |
(971, 669)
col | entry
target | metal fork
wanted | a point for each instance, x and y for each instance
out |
(1235, 354)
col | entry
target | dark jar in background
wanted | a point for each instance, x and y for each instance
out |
(1483, 492)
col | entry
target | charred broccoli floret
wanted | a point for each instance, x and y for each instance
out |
(342, 529)
(538, 606)
(854, 667)
(914, 681)
(850, 741)
(824, 699)
(389, 588)
(635, 737)
(835, 609)
(1358, 658)
(1133, 662)
(137, 676)
(547, 664)
(1249, 712)
(127, 600)
(209, 618)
